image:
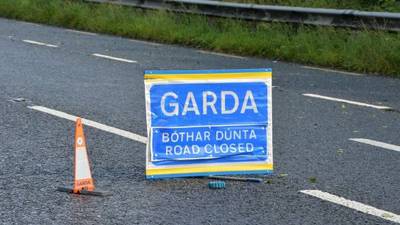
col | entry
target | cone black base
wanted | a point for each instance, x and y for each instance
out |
(84, 192)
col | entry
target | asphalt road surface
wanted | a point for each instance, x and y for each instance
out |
(336, 146)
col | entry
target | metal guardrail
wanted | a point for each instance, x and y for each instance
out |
(300, 15)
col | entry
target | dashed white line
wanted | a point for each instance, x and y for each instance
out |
(40, 43)
(29, 23)
(353, 205)
(81, 32)
(347, 101)
(334, 71)
(220, 54)
(114, 58)
(377, 144)
(145, 42)
(91, 123)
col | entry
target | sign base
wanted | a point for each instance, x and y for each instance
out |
(207, 174)
(244, 179)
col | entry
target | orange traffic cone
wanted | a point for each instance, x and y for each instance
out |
(82, 175)
(83, 181)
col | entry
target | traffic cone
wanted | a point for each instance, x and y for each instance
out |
(82, 175)
(83, 181)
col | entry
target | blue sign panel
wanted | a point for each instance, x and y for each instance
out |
(208, 104)
(208, 122)
(222, 143)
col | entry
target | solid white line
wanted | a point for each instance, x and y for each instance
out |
(114, 58)
(92, 123)
(334, 71)
(40, 43)
(346, 101)
(353, 205)
(377, 144)
(221, 54)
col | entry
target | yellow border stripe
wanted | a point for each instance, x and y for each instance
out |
(208, 168)
(209, 76)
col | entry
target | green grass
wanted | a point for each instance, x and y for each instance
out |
(368, 5)
(361, 51)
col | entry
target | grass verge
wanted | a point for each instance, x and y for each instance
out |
(361, 51)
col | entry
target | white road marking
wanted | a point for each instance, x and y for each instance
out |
(40, 43)
(114, 58)
(221, 54)
(29, 23)
(81, 32)
(353, 205)
(377, 144)
(92, 123)
(145, 42)
(334, 71)
(346, 101)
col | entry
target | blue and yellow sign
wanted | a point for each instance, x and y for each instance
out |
(208, 122)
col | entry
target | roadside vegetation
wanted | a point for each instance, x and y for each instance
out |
(361, 51)
(366, 5)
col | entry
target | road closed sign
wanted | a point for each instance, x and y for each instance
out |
(208, 122)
